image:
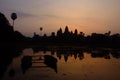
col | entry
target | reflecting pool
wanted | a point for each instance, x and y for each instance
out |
(62, 63)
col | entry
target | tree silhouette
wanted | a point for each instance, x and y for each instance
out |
(82, 34)
(41, 30)
(13, 17)
(6, 30)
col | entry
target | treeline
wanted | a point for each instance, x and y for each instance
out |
(8, 35)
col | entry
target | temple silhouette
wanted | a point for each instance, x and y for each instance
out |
(9, 36)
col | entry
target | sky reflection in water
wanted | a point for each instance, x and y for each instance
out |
(71, 64)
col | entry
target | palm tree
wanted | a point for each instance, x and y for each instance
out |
(41, 30)
(13, 17)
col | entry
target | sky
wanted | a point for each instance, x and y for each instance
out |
(88, 16)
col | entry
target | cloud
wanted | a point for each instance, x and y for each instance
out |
(22, 14)
(52, 16)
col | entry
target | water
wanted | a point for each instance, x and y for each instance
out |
(72, 64)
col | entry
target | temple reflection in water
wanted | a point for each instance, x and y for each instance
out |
(48, 63)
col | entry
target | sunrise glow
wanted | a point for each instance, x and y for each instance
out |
(85, 15)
